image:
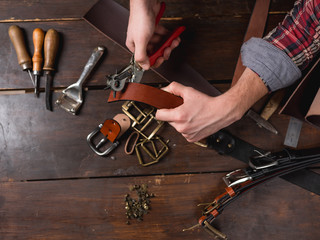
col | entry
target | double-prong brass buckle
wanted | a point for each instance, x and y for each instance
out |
(147, 126)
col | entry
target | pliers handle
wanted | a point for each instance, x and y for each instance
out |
(176, 33)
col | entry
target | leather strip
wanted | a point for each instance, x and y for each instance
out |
(114, 128)
(255, 29)
(124, 122)
(110, 129)
(225, 143)
(111, 19)
(146, 94)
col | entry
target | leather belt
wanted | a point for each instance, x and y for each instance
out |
(112, 130)
(225, 143)
(242, 180)
(146, 94)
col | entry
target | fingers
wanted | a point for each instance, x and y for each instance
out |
(172, 115)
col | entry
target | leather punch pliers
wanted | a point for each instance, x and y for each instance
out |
(134, 72)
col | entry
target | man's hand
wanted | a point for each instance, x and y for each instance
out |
(142, 34)
(201, 115)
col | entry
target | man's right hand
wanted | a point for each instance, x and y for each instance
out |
(143, 35)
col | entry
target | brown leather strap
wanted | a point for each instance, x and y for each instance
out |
(114, 128)
(255, 29)
(111, 19)
(146, 94)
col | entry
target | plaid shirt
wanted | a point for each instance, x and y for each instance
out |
(299, 33)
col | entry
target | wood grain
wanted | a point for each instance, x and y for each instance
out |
(94, 209)
(52, 186)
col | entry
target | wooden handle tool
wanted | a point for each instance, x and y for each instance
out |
(18, 41)
(37, 59)
(51, 45)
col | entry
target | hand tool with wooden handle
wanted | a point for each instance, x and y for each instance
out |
(24, 59)
(51, 44)
(37, 59)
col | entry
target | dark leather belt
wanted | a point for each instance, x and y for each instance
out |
(225, 143)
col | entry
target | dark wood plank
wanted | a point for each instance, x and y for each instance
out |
(16, 10)
(94, 209)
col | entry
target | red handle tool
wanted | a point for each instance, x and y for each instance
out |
(168, 42)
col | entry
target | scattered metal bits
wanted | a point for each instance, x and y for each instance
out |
(136, 208)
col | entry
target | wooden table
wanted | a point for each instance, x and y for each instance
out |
(54, 187)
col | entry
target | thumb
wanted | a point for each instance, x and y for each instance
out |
(175, 88)
(140, 55)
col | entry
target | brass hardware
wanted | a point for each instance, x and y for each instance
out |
(156, 155)
(215, 232)
(136, 208)
(191, 228)
(143, 121)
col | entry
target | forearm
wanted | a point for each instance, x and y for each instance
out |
(145, 5)
(247, 91)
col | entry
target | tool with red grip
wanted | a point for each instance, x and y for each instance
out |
(133, 72)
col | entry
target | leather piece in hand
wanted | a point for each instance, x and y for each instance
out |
(146, 94)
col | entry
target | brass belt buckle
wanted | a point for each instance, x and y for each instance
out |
(147, 126)
(144, 120)
(154, 154)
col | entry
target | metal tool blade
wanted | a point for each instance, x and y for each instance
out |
(293, 132)
(48, 91)
(37, 83)
(260, 121)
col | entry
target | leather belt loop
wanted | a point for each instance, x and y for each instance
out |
(255, 28)
(134, 143)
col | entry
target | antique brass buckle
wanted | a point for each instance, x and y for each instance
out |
(153, 153)
(147, 126)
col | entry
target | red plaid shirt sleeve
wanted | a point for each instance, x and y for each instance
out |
(299, 33)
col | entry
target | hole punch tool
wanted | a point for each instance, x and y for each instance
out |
(133, 72)
(71, 98)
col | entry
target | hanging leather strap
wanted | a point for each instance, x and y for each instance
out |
(150, 95)
(255, 29)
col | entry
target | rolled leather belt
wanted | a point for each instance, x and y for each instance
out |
(111, 19)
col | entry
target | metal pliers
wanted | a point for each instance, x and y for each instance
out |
(133, 72)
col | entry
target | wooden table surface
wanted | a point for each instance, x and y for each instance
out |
(54, 187)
